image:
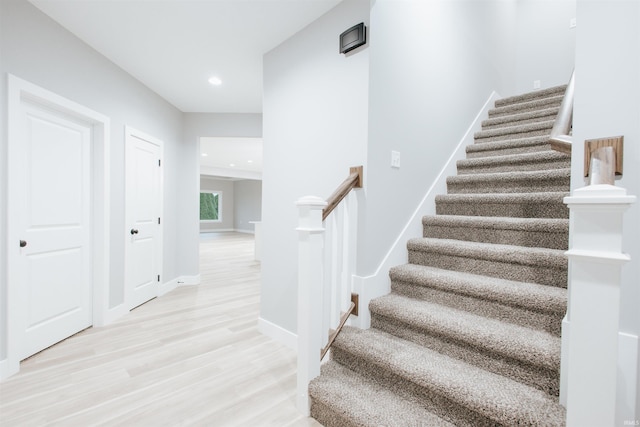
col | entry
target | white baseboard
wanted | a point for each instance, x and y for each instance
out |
(238, 230)
(188, 280)
(378, 283)
(112, 314)
(167, 287)
(278, 333)
(4, 369)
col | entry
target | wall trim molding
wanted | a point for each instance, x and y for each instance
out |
(188, 280)
(278, 333)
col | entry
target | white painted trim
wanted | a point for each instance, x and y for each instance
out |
(628, 371)
(230, 173)
(220, 230)
(115, 313)
(278, 333)
(188, 280)
(167, 287)
(131, 132)
(19, 90)
(238, 230)
(378, 284)
(627, 394)
(4, 369)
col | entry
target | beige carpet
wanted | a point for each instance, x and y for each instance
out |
(470, 334)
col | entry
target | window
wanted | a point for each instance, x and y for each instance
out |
(210, 206)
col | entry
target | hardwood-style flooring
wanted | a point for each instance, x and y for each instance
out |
(193, 357)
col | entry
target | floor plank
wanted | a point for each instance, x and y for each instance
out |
(193, 357)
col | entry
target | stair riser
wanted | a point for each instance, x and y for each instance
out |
(327, 417)
(541, 274)
(531, 96)
(548, 322)
(516, 121)
(531, 239)
(515, 135)
(515, 210)
(510, 150)
(429, 399)
(520, 108)
(540, 378)
(551, 164)
(515, 185)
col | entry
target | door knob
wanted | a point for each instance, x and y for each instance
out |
(23, 243)
(134, 231)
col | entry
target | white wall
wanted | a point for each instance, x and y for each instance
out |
(607, 103)
(315, 128)
(37, 49)
(247, 204)
(227, 188)
(433, 65)
(545, 43)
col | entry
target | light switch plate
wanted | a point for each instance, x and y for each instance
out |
(395, 159)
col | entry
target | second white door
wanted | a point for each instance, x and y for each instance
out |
(143, 261)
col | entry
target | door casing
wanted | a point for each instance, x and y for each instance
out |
(20, 90)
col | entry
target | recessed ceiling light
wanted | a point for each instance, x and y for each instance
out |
(215, 81)
(231, 164)
(249, 161)
(204, 154)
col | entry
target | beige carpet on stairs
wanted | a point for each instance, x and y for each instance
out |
(470, 333)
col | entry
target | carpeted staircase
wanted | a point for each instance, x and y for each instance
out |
(470, 333)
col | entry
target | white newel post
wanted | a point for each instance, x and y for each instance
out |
(595, 263)
(310, 263)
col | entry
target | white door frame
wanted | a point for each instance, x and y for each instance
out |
(131, 132)
(19, 90)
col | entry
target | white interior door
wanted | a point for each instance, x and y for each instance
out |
(144, 206)
(52, 216)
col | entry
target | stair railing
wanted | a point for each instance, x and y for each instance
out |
(560, 137)
(590, 330)
(327, 239)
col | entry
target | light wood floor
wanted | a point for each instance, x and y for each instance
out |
(193, 357)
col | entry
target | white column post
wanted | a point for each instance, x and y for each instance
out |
(310, 262)
(595, 262)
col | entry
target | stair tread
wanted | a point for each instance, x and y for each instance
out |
(498, 177)
(527, 345)
(533, 197)
(365, 402)
(537, 94)
(492, 252)
(517, 129)
(527, 295)
(521, 116)
(531, 105)
(555, 225)
(493, 396)
(514, 159)
(508, 143)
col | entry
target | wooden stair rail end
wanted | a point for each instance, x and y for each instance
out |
(354, 180)
(353, 309)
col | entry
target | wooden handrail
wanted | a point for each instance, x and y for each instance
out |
(353, 309)
(560, 139)
(354, 180)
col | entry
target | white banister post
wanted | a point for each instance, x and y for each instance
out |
(310, 262)
(595, 263)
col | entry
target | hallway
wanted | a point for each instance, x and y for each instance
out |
(193, 357)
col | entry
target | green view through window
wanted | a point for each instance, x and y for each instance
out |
(209, 206)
